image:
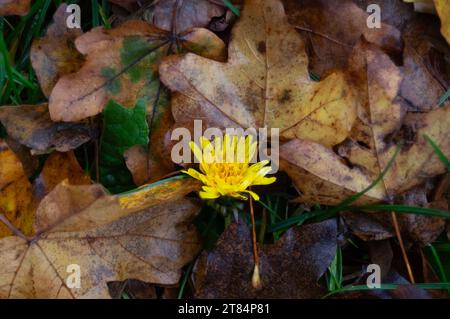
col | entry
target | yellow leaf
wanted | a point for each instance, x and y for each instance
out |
(265, 83)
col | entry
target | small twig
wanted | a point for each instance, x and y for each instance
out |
(402, 248)
(256, 279)
(12, 228)
(323, 36)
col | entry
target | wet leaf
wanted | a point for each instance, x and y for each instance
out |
(290, 268)
(180, 16)
(334, 27)
(85, 226)
(54, 55)
(31, 126)
(265, 83)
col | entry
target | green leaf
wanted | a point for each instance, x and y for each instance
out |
(123, 128)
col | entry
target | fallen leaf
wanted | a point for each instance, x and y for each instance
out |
(369, 227)
(332, 28)
(121, 64)
(14, 7)
(443, 10)
(54, 55)
(57, 168)
(31, 126)
(265, 83)
(187, 14)
(16, 198)
(83, 225)
(426, 60)
(290, 268)
(372, 143)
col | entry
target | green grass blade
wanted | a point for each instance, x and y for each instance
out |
(232, 7)
(438, 152)
(444, 98)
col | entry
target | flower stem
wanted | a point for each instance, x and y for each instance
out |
(256, 279)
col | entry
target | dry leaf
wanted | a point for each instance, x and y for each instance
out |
(426, 61)
(328, 178)
(54, 55)
(83, 225)
(14, 7)
(57, 168)
(121, 64)
(16, 198)
(443, 10)
(290, 268)
(31, 126)
(333, 28)
(187, 14)
(265, 83)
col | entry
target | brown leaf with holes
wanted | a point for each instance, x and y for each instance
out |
(31, 126)
(83, 225)
(265, 83)
(54, 55)
(14, 7)
(290, 268)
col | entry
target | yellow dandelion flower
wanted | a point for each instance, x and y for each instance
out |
(225, 168)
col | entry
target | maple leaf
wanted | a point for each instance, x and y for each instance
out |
(265, 83)
(332, 28)
(326, 177)
(54, 54)
(84, 225)
(290, 268)
(121, 64)
(31, 126)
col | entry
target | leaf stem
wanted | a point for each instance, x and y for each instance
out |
(256, 279)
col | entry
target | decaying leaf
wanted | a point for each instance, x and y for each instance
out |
(54, 55)
(16, 198)
(57, 168)
(265, 83)
(14, 7)
(121, 64)
(31, 126)
(179, 16)
(332, 28)
(372, 143)
(426, 60)
(290, 268)
(85, 226)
